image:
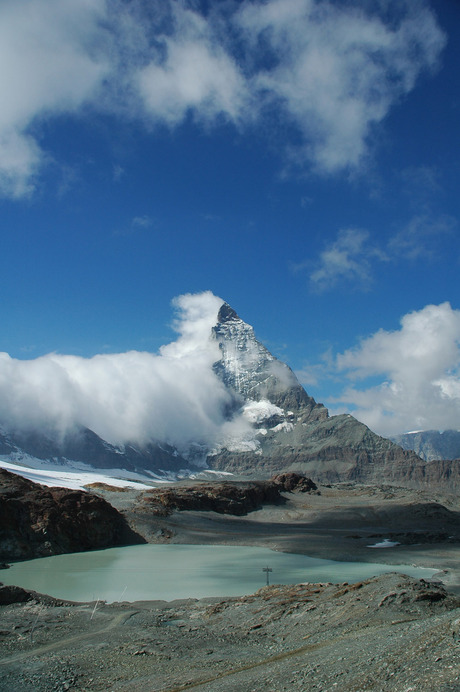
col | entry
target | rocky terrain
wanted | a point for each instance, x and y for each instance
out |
(384, 634)
(227, 497)
(36, 521)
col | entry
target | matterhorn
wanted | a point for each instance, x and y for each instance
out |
(264, 422)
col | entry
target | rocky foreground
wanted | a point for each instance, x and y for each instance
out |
(384, 634)
(391, 633)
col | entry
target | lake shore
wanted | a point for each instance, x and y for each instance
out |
(339, 522)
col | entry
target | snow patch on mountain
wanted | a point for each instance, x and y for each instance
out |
(285, 425)
(259, 411)
(75, 475)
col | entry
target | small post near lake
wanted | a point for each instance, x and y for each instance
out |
(267, 570)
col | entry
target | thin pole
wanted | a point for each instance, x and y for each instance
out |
(267, 570)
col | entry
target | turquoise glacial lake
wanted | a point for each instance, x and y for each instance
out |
(168, 572)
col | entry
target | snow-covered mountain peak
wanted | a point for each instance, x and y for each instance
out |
(245, 365)
(249, 369)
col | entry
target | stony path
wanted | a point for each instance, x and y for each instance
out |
(68, 642)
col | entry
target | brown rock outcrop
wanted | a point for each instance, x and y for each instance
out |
(37, 521)
(294, 482)
(228, 497)
(224, 498)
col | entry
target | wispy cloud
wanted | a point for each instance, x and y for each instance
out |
(330, 71)
(337, 68)
(420, 183)
(421, 236)
(352, 256)
(118, 172)
(345, 259)
(142, 221)
(137, 223)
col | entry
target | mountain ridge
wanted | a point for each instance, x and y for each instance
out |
(269, 424)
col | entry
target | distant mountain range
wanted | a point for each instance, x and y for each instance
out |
(431, 445)
(271, 424)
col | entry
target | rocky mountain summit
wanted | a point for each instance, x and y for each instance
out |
(249, 370)
(293, 431)
(267, 424)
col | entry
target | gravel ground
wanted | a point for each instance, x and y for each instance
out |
(385, 634)
(388, 634)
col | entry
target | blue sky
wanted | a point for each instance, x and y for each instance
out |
(299, 159)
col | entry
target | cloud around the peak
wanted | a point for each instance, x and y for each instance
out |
(174, 396)
(419, 371)
(330, 72)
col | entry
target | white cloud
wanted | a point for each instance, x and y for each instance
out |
(330, 71)
(338, 68)
(196, 75)
(174, 396)
(420, 370)
(51, 62)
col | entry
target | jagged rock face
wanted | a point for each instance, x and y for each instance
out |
(300, 435)
(37, 521)
(250, 370)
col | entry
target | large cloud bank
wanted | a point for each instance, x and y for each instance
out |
(174, 396)
(328, 72)
(420, 364)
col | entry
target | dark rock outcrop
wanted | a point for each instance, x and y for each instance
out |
(224, 498)
(37, 521)
(14, 594)
(294, 482)
(228, 497)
